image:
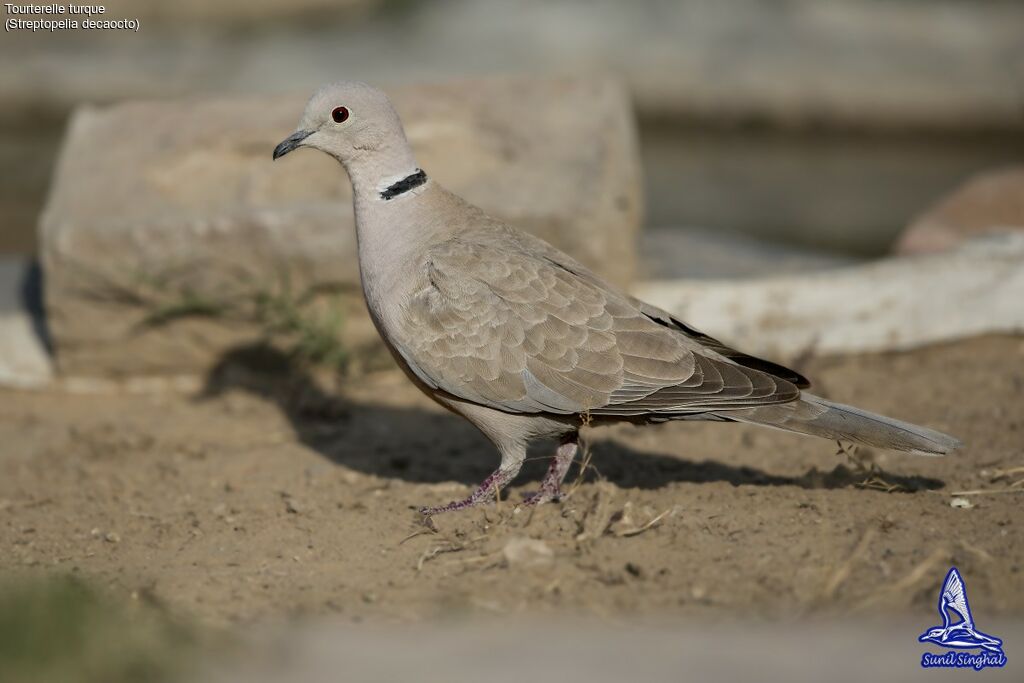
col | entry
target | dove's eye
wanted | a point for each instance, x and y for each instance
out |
(339, 114)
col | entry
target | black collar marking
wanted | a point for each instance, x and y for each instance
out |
(404, 185)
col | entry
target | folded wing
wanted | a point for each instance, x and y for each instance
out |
(511, 323)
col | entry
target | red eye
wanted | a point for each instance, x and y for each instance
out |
(339, 114)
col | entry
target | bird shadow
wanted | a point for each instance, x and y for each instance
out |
(426, 446)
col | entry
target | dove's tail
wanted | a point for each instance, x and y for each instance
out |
(818, 417)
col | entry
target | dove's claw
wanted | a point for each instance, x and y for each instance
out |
(551, 487)
(542, 496)
(483, 495)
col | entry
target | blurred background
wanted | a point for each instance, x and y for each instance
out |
(148, 523)
(823, 124)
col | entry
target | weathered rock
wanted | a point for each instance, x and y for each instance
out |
(989, 202)
(173, 210)
(24, 359)
(895, 303)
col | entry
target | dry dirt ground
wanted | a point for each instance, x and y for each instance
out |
(261, 497)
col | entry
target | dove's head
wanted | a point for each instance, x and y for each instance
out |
(347, 120)
(933, 634)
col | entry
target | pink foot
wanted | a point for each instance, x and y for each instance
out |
(483, 495)
(551, 486)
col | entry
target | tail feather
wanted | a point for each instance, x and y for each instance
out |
(818, 417)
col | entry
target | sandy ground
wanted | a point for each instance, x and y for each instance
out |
(264, 498)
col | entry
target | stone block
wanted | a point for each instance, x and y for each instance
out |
(25, 360)
(892, 304)
(168, 227)
(988, 202)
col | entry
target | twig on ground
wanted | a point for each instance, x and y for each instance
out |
(923, 571)
(626, 533)
(586, 456)
(843, 571)
(877, 483)
(1013, 488)
(418, 533)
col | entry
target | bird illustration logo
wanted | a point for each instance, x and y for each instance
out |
(960, 634)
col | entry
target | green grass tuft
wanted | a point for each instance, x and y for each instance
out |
(61, 630)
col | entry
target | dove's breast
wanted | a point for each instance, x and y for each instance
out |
(394, 240)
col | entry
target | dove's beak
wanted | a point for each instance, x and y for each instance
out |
(291, 142)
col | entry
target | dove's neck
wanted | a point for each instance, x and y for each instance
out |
(373, 174)
(394, 224)
(375, 207)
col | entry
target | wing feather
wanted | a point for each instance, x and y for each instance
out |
(509, 322)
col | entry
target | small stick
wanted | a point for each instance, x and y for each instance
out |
(903, 586)
(984, 492)
(645, 527)
(842, 573)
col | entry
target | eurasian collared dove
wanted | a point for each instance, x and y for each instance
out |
(524, 342)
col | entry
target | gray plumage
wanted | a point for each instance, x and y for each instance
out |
(522, 340)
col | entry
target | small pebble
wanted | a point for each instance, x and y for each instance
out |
(527, 552)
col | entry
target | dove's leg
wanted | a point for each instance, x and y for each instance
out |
(551, 486)
(511, 463)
